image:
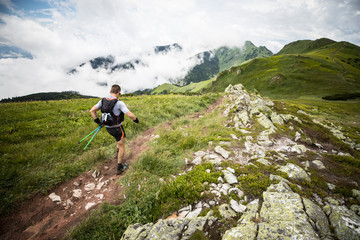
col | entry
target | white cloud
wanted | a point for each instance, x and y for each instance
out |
(79, 30)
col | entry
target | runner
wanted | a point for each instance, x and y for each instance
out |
(113, 111)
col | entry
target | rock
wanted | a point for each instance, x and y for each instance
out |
(226, 211)
(318, 164)
(295, 172)
(200, 154)
(197, 161)
(319, 219)
(225, 143)
(100, 185)
(244, 231)
(355, 209)
(220, 180)
(100, 196)
(345, 221)
(239, 208)
(77, 193)
(171, 229)
(95, 174)
(276, 119)
(89, 205)
(283, 215)
(278, 178)
(297, 136)
(239, 193)
(230, 169)
(251, 212)
(89, 187)
(225, 154)
(298, 149)
(77, 184)
(356, 193)
(54, 197)
(229, 177)
(266, 122)
(331, 186)
(234, 136)
(67, 204)
(194, 213)
(263, 139)
(264, 161)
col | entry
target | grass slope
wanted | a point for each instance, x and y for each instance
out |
(332, 68)
(39, 140)
(170, 88)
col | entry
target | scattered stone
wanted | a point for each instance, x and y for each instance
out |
(77, 184)
(226, 211)
(194, 213)
(278, 178)
(230, 169)
(89, 205)
(100, 185)
(220, 180)
(331, 186)
(77, 193)
(67, 204)
(100, 196)
(229, 177)
(234, 136)
(277, 119)
(95, 174)
(200, 154)
(225, 143)
(197, 161)
(356, 193)
(89, 187)
(318, 164)
(239, 208)
(264, 161)
(298, 149)
(54, 197)
(212, 203)
(106, 167)
(295, 172)
(306, 164)
(225, 154)
(297, 136)
(187, 162)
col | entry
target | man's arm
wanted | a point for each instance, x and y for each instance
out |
(93, 112)
(131, 115)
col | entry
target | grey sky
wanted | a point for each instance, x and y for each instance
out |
(63, 34)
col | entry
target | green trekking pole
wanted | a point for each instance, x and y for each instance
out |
(89, 134)
(97, 130)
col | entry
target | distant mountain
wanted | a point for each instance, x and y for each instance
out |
(303, 69)
(45, 96)
(108, 63)
(7, 51)
(167, 48)
(220, 59)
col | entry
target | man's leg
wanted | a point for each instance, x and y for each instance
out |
(121, 150)
(120, 158)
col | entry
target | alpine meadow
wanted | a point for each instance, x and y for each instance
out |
(264, 146)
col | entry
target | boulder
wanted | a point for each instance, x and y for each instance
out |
(318, 164)
(275, 118)
(319, 219)
(245, 231)
(295, 172)
(345, 221)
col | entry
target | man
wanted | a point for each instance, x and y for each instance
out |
(116, 109)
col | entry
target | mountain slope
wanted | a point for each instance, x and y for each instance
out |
(220, 59)
(328, 69)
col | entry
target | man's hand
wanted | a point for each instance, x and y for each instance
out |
(97, 120)
(136, 120)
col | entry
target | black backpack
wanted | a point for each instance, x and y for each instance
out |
(108, 117)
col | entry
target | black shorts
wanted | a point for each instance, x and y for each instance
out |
(117, 132)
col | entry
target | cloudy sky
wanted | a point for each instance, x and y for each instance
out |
(61, 34)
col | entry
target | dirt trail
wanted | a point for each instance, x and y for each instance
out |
(40, 218)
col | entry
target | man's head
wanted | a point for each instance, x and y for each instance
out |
(115, 89)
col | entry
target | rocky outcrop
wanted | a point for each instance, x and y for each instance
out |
(173, 229)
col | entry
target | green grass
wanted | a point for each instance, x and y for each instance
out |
(39, 140)
(313, 74)
(147, 196)
(191, 88)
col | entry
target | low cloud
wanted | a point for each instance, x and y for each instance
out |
(76, 31)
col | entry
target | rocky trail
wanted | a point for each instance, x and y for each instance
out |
(280, 212)
(51, 216)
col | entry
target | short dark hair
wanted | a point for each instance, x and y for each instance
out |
(115, 88)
